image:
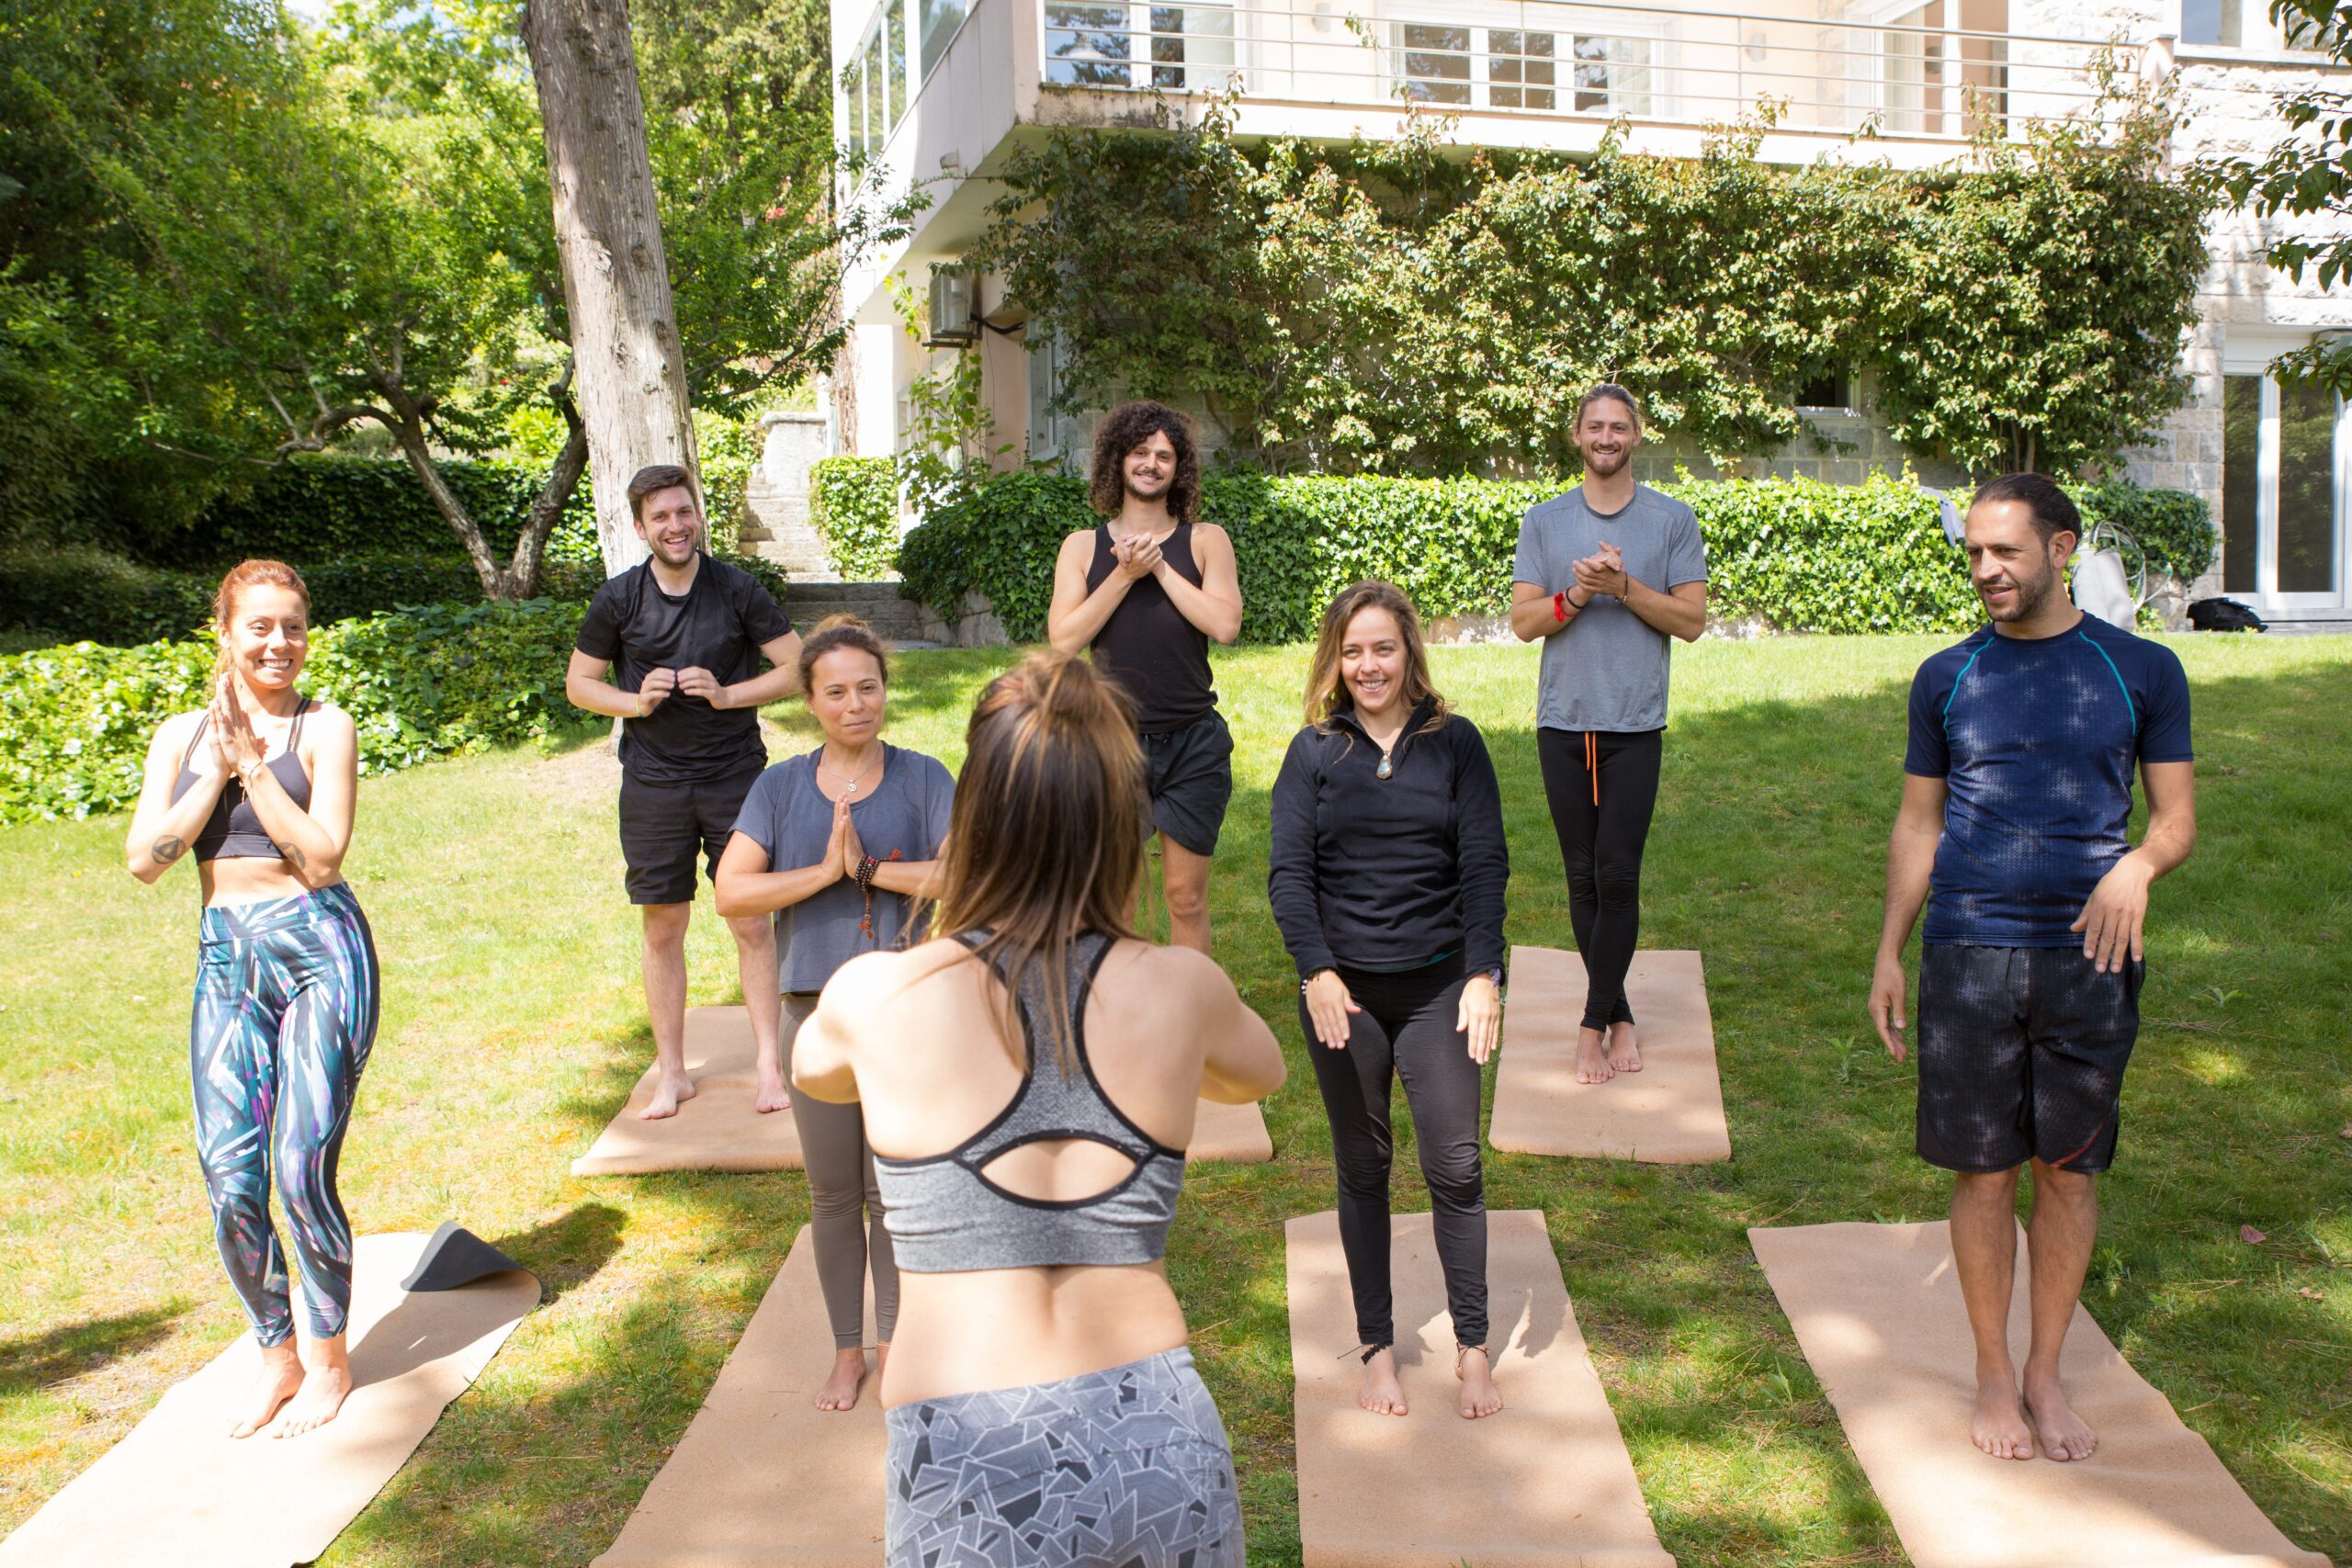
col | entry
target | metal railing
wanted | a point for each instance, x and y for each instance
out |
(1894, 75)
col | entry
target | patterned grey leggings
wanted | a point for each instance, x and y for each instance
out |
(1123, 1468)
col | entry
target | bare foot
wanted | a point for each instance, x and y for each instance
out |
(1382, 1393)
(2064, 1436)
(325, 1388)
(771, 1095)
(1998, 1425)
(1625, 1051)
(280, 1376)
(1592, 1058)
(840, 1391)
(1478, 1393)
(668, 1095)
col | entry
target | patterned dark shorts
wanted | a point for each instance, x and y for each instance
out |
(1123, 1468)
(2021, 1056)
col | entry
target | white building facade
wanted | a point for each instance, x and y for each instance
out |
(940, 90)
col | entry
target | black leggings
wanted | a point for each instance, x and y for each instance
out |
(1406, 1030)
(1602, 827)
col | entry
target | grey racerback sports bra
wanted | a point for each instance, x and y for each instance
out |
(946, 1217)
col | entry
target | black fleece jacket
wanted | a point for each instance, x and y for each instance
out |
(1386, 873)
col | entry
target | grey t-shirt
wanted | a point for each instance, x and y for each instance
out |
(788, 815)
(1607, 670)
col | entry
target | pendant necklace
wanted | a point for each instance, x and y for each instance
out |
(1387, 754)
(852, 783)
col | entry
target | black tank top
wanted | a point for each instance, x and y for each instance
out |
(1148, 647)
(234, 831)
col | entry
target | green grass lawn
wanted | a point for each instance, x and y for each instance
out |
(513, 1028)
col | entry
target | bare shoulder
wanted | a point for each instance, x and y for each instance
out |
(180, 729)
(1176, 978)
(873, 982)
(1213, 535)
(1078, 541)
(329, 719)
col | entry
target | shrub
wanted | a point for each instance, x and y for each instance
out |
(76, 721)
(1796, 554)
(2173, 528)
(318, 507)
(854, 503)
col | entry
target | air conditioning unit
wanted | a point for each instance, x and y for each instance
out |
(953, 324)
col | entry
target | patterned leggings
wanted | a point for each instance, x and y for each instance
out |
(1123, 1468)
(286, 1001)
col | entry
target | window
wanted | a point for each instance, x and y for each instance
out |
(877, 97)
(1086, 45)
(2212, 22)
(1911, 71)
(852, 124)
(1192, 47)
(1830, 390)
(1612, 75)
(1518, 70)
(1433, 63)
(940, 21)
(1044, 381)
(894, 35)
(2283, 488)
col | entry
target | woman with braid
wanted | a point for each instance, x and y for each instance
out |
(260, 783)
(839, 844)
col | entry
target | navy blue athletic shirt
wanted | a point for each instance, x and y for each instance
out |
(2038, 739)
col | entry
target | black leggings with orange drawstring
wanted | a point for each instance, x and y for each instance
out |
(1602, 787)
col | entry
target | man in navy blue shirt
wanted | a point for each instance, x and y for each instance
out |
(2016, 793)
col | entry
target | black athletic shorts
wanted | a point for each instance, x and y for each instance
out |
(2021, 1055)
(1190, 774)
(663, 824)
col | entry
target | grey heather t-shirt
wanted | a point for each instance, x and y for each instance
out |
(788, 815)
(1607, 670)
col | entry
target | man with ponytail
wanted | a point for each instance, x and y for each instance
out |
(1147, 591)
(687, 632)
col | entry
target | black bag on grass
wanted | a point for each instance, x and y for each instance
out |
(2224, 616)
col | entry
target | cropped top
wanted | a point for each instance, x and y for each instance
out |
(945, 1216)
(234, 831)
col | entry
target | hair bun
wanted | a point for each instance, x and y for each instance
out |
(843, 619)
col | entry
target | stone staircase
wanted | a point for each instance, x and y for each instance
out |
(900, 622)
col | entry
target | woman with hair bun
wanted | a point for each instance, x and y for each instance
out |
(1029, 1078)
(260, 783)
(836, 844)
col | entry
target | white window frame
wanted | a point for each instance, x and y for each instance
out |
(2246, 353)
(1944, 100)
(1139, 68)
(1657, 34)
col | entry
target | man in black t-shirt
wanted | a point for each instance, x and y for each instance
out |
(688, 633)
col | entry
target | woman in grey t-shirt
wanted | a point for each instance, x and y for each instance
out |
(836, 843)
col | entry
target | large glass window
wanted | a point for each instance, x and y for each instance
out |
(853, 128)
(1518, 70)
(877, 97)
(1087, 45)
(1612, 75)
(2307, 521)
(2213, 22)
(894, 45)
(1192, 47)
(939, 19)
(2241, 516)
(1433, 63)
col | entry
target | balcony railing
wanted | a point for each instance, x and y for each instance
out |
(1890, 72)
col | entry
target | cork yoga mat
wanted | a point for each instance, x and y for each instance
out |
(1671, 1112)
(1544, 1483)
(763, 1478)
(179, 1490)
(1878, 1313)
(719, 1129)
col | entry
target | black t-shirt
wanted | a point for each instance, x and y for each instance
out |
(719, 624)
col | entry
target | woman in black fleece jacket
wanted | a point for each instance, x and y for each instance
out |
(1388, 880)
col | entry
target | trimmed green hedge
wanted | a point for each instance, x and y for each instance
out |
(854, 501)
(77, 593)
(1799, 555)
(76, 721)
(320, 506)
(2173, 528)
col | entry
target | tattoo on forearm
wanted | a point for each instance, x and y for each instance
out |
(293, 853)
(166, 850)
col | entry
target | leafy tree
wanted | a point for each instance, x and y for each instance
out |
(2307, 173)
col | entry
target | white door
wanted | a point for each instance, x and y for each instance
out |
(2286, 461)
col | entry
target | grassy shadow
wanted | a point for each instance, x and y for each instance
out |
(36, 1361)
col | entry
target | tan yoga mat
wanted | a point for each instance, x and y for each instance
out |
(1671, 1112)
(763, 1477)
(1545, 1483)
(1878, 1313)
(719, 1129)
(178, 1491)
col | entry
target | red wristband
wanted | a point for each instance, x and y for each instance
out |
(1560, 606)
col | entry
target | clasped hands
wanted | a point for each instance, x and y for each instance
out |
(1603, 571)
(232, 745)
(1480, 1015)
(1138, 556)
(694, 681)
(844, 851)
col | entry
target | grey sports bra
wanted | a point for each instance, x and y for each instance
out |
(944, 1217)
(234, 831)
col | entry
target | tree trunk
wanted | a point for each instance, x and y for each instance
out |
(631, 373)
